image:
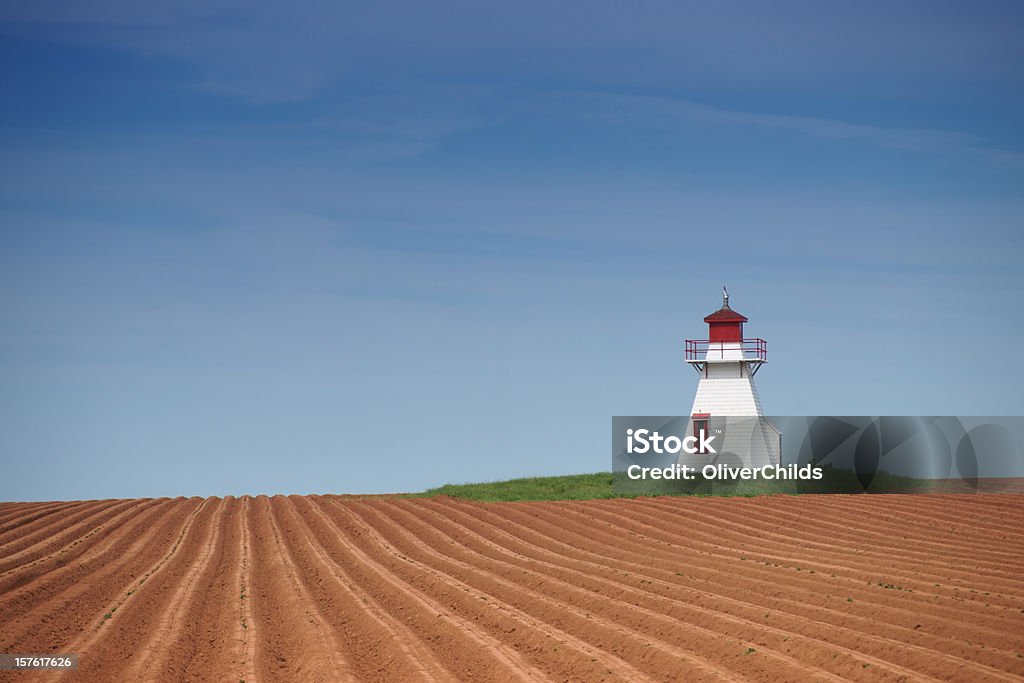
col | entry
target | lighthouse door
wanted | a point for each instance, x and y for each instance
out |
(700, 424)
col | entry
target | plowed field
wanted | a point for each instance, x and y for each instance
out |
(898, 587)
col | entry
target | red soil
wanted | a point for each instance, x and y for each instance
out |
(902, 587)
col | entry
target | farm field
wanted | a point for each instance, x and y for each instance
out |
(333, 588)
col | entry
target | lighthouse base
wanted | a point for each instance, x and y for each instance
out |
(738, 442)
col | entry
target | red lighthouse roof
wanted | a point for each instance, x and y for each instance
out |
(725, 314)
(725, 324)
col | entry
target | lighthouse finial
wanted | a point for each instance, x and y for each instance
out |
(725, 297)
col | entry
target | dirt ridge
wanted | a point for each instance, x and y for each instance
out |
(337, 588)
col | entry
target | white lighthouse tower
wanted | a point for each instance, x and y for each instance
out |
(727, 405)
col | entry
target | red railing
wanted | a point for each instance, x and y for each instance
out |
(704, 349)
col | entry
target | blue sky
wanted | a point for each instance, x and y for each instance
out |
(316, 247)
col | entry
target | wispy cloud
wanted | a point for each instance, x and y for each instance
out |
(397, 125)
(668, 112)
(270, 51)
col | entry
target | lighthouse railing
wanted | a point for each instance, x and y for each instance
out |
(701, 350)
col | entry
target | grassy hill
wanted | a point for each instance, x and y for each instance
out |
(568, 487)
(605, 485)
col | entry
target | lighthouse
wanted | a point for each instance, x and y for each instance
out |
(727, 405)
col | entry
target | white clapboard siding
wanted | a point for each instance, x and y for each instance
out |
(741, 442)
(726, 389)
(727, 396)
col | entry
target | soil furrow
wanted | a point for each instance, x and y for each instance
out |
(68, 536)
(830, 623)
(474, 652)
(176, 627)
(661, 595)
(858, 558)
(78, 550)
(698, 641)
(295, 643)
(9, 512)
(22, 524)
(44, 528)
(379, 645)
(494, 581)
(125, 630)
(855, 555)
(517, 608)
(873, 532)
(60, 606)
(245, 629)
(930, 512)
(652, 529)
(336, 588)
(866, 598)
